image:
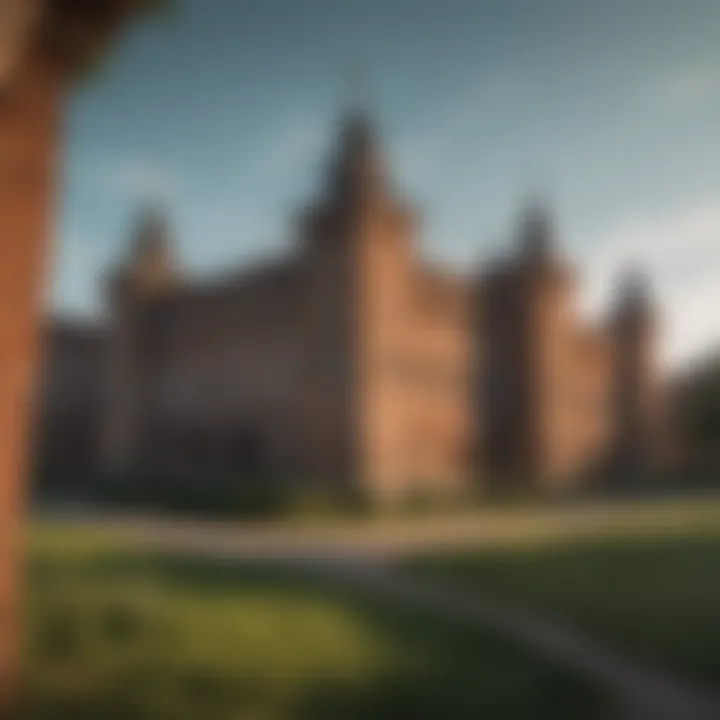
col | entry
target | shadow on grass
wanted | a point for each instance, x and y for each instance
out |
(115, 636)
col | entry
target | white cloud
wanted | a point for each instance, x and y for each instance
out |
(680, 251)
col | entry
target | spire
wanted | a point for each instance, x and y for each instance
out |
(152, 261)
(152, 234)
(536, 232)
(357, 170)
(634, 296)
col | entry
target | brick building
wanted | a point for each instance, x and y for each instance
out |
(353, 360)
(68, 435)
(562, 398)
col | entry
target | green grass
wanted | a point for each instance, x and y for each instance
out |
(655, 595)
(115, 636)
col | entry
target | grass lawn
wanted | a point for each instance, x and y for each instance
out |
(112, 635)
(655, 595)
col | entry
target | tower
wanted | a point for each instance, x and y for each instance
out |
(151, 267)
(536, 234)
(148, 272)
(526, 339)
(636, 391)
(357, 245)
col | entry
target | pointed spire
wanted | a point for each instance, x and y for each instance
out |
(634, 296)
(536, 231)
(152, 261)
(357, 171)
(152, 233)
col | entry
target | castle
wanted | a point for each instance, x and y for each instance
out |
(353, 361)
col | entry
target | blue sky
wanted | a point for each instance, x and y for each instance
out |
(228, 109)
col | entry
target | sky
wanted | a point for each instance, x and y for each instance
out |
(227, 111)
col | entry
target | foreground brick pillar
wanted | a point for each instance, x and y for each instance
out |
(29, 107)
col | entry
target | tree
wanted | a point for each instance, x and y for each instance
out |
(45, 47)
(699, 405)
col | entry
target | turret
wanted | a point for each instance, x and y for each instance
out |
(357, 243)
(634, 309)
(536, 234)
(636, 399)
(357, 173)
(149, 271)
(151, 266)
(527, 347)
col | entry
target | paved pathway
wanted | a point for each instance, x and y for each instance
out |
(643, 692)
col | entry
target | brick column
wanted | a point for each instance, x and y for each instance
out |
(29, 107)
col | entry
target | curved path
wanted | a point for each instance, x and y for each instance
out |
(367, 560)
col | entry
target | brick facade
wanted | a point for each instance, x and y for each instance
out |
(352, 360)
